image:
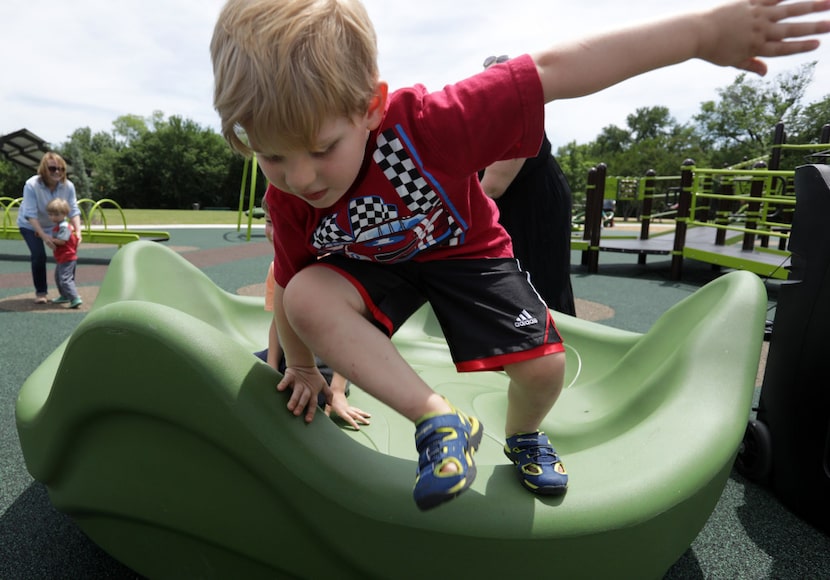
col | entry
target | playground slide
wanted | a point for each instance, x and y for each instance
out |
(155, 428)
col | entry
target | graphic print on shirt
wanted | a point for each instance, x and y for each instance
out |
(380, 231)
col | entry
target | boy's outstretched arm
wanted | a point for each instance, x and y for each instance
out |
(735, 34)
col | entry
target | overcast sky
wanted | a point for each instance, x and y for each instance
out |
(67, 65)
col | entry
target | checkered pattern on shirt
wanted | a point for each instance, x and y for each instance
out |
(329, 233)
(408, 182)
(366, 212)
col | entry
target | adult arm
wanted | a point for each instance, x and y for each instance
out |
(74, 209)
(76, 223)
(41, 233)
(28, 211)
(274, 348)
(38, 229)
(499, 175)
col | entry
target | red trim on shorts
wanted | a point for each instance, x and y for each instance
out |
(496, 363)
(377, 313)
(550, 325)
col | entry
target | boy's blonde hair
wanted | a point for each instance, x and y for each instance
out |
(58, 206)
(284, 67)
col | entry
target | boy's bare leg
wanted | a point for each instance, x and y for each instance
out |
(534, 387)
(329, 315)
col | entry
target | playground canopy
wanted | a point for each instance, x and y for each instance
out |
(25, 149)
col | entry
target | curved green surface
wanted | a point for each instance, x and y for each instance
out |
(155, 428)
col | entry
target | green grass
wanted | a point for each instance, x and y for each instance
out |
(165, 217)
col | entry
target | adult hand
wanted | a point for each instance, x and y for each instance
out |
(351, 415)
(76, 225)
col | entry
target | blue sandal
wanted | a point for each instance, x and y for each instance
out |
(440, 440)
(539, 466)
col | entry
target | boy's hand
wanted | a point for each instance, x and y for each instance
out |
(351, 415)
(305, 383)
(736, 34)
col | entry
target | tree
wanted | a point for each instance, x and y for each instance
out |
(92, 157)
(808, 125)
(575, 163)
(741, 124)
(174, 165)
(12, 178)
(650, 123)
(130, 128)
(612, 141)
(652, 139)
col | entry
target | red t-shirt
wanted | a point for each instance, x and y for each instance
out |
(417, 196)
(67, 252)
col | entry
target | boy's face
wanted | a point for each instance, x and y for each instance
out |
(322, 176)
(56, 216)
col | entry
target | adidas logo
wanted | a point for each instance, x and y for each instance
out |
(525, 319)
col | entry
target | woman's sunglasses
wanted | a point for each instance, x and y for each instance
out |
(54, 169)
(491, 60)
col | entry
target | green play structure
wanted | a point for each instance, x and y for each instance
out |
(155, 428)
(250, 165)
(726, 217)
(106, 233)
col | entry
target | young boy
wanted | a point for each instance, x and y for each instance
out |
(376, 206)
(65, 243)
(274, 356)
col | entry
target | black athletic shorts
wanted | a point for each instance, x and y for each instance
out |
(490, 313)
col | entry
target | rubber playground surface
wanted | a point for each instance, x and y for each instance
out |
(749, 535)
